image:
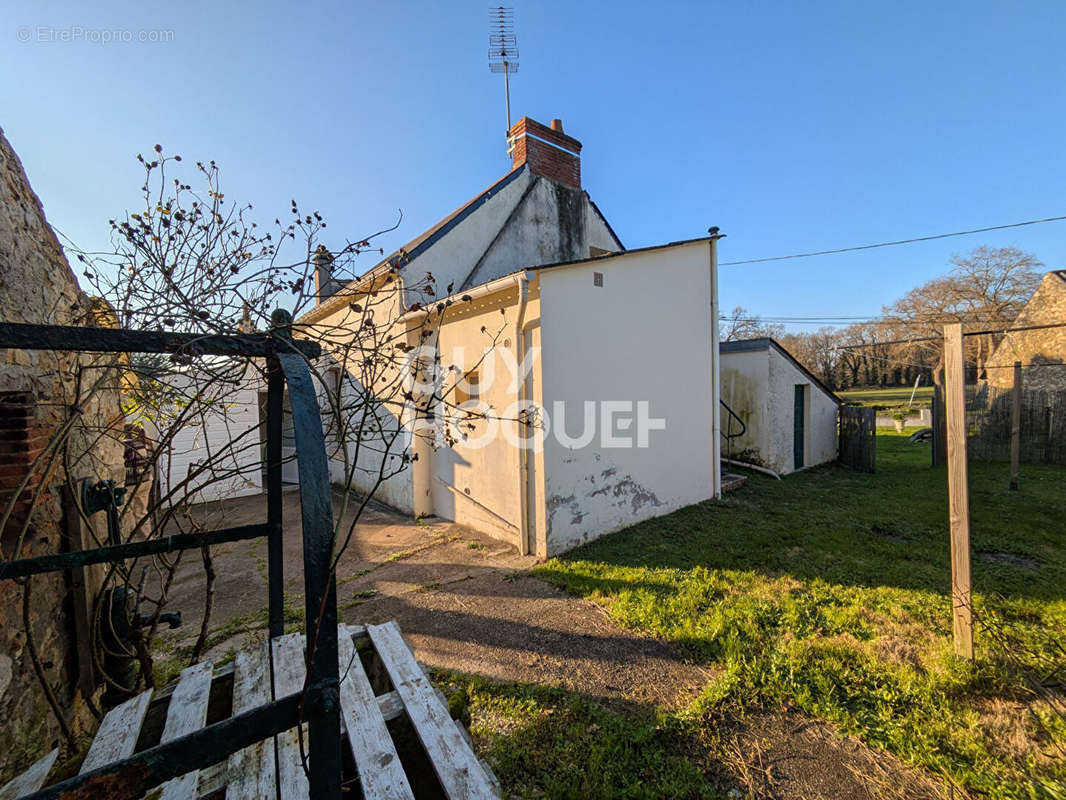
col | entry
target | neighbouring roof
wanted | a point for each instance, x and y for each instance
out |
(432, 235)
(429, 237)
(765, 343)
(535, 267)
(416, 246)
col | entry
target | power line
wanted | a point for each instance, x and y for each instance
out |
(892, 244)
(1030, 365)
(838, 322)
(832, 319)
(941, 338)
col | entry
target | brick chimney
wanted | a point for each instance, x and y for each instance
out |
(547, 151)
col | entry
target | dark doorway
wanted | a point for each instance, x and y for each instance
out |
(799, 421)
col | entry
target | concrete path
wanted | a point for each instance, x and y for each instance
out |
(464, 601)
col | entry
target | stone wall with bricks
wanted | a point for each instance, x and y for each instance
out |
(60, 421)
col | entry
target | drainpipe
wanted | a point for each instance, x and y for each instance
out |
(422, 450)
(523, 453)
(716, 388)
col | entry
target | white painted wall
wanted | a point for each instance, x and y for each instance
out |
(759, 385)
(453, 256)
(554, 223)
(821, 423)
(746, 390)
(476, 482)
(645, 335)
(206, 438)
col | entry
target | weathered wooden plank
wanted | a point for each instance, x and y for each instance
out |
(82, 591)
(211, 744)
(30, 780)
(216, 777)
(187, 713)
(958, 491)
(380, 771)
(456, 765)
(117, 735)
(290, 671)
(252, 769)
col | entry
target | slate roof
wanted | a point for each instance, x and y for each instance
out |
(432, 235)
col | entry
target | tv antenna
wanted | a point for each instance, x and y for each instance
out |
(503, 49)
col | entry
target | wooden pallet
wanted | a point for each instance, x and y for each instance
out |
(255, 772)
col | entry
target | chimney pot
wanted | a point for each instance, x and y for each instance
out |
(557, 125)
(323, 261)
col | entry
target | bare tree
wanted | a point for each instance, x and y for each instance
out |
(190, 260)
(986, 289)
(740, 324)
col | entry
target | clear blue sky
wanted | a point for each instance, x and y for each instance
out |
(791, 126)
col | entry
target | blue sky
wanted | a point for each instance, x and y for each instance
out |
(791, 126)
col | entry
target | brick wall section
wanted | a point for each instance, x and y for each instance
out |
(37, 390)
(544, 158)
(1048, 346)
(21, 441)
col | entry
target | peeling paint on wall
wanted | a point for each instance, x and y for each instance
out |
(630, 492)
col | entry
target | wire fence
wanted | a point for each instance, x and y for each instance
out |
(1042, 433)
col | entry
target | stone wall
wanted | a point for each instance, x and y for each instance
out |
(38, 391)
(1042, 352)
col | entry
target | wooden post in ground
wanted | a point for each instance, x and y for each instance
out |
(939, 448)
(958, 493)
(1015, 425)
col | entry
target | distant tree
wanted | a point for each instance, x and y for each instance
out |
(985, 289)
(741, 324)
(817, 351)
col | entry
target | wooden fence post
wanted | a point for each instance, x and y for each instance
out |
(1016, 426)
(958, 494)
(938, 451)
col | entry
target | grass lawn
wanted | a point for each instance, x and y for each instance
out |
(827, 592)
(887, 398)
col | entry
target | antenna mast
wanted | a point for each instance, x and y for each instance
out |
(503, 49)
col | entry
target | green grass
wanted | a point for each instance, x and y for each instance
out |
(829, 590)
(888, 398)
(169, 659)
(545, 742)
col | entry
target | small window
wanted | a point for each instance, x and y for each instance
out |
(468, 389)
(597, 279)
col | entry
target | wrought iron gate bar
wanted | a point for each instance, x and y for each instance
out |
(133, 776)
(120, 552)
(320, 586)
(115, 340)
(318, 705)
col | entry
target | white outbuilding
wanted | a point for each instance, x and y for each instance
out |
(774, 412)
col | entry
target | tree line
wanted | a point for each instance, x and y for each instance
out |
(984, 290)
